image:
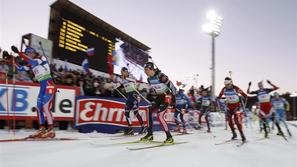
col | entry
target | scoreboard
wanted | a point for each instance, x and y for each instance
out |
(78, 39)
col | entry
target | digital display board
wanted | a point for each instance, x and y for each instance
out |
(79, 39)
(133, 58)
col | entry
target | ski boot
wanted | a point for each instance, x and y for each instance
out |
(243, 139)
(50, 133)
(143, 130)
(265, 134)
(177, 128)
(169, 140)
(147, 138)
(38, 133)
(289, 133)
(183, 131)
(234, 135)
(129, 131)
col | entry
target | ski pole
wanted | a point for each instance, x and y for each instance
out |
(14, 96)
(146, 100)
(41, 47)
(121, 93)
(7, 102)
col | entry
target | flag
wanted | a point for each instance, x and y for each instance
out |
(109, 64)
(85, 65)
(90, 51)
(65, 66)
(184, 85)
(114, 58)
(178, 83)
(141, 78)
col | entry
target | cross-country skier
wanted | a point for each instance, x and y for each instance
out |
(280, 106)
(205, 101)
(39, 65)
(265, 105)
(129, 84)
(181, 106)
(231, 93)
(161, 95)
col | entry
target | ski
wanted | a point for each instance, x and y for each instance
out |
(36, 139)
(226, 141)
(260, 139)
(154, 146)
(138, 141)
(124, 136)
(285, 137)
(129, 142)
(179, 134)
(241, 144)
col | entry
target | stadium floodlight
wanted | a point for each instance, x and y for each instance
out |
(213, 28)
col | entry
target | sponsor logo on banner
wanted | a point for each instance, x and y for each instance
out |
(108, 111)
(18, 100)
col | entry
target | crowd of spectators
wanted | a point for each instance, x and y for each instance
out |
(89, 84)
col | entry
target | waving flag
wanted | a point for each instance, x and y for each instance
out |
(65, 66)
(115, 58)
(90, 51)
(85, 65)
(178, 83)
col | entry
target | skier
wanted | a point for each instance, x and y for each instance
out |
(181, 106)
(233, 106)
(39, 65)
(205, 108)
(279, 104)
(129, 84)
(265, 105)
(161, 95)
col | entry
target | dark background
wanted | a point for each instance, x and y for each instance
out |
(99, 60)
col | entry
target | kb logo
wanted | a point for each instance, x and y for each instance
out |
(17, 99)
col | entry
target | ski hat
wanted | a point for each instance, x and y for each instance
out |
(260, 83)
(149, 65)
(30, 50)
(228, 81)
(124, 69)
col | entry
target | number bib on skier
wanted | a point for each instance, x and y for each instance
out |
(41, 73)
(181, 101)
(231, 99)
(160, 88)
(205, 102)
(264, 98)
(278, 105)
(129, 87)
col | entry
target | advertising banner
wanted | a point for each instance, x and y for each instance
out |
(105, 114)
(18, 100)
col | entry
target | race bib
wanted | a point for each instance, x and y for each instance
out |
(264, 98)
(160, 88)
(232, 99)
(278, 105)
(40, 72)
(180, 101)
(129, 87)
(205, 102)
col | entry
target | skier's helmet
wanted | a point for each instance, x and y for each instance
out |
(30, 50)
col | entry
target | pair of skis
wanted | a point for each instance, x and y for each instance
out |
(151, 144)
(231, 141)
(35, 139)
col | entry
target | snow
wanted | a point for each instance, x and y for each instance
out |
(97, 149)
